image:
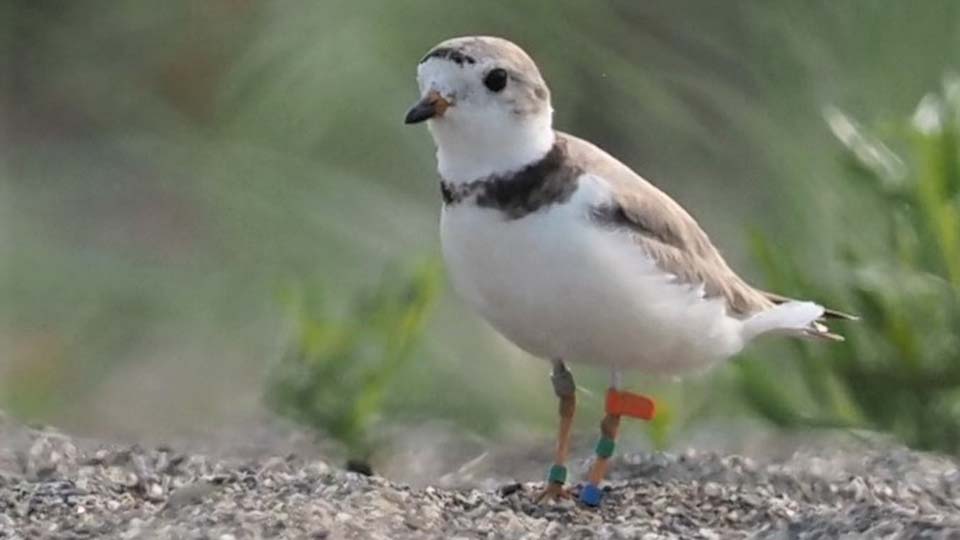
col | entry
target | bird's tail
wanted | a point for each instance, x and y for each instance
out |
(794, 318)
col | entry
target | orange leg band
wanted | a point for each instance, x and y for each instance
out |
(620, 403)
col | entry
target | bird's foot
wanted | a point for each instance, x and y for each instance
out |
(553, 492)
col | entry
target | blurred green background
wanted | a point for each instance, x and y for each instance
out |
(198, 202)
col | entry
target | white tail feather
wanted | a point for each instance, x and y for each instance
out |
(791, 317)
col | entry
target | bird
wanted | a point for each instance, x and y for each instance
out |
(570, 254)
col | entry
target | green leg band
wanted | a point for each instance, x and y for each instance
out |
(605, 447)
(558, 474)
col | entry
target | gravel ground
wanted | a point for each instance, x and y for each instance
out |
(55, 486)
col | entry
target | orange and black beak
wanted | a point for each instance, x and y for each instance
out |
(433, 105)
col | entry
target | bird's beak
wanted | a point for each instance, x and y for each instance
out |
(433, 105)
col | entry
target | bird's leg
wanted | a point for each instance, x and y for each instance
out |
(565, 389)
(590, 494)
(618, 403)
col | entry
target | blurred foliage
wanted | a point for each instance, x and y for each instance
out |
(336, 370)
(899, 370)
(660, 428)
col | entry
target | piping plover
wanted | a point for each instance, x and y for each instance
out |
(569, 253)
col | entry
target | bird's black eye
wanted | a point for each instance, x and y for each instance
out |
(496, 80)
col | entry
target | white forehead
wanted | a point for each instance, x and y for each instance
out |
(449, 77)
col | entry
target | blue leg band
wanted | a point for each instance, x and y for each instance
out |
(590, 495)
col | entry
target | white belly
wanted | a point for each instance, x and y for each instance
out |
(560, 287)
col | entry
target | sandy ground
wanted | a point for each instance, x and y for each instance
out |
(56, 486)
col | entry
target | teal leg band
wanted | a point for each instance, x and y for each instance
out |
(605, 447)
(558, 474)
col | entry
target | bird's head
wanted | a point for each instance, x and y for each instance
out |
(486, 105)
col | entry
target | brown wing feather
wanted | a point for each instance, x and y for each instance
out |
(665, 231)
(670, 235)
(692, 259)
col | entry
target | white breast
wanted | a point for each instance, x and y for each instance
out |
(559, 286)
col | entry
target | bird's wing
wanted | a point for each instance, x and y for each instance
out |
(665, 231)
(673, 239)
(670, 235)
(680, 248)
